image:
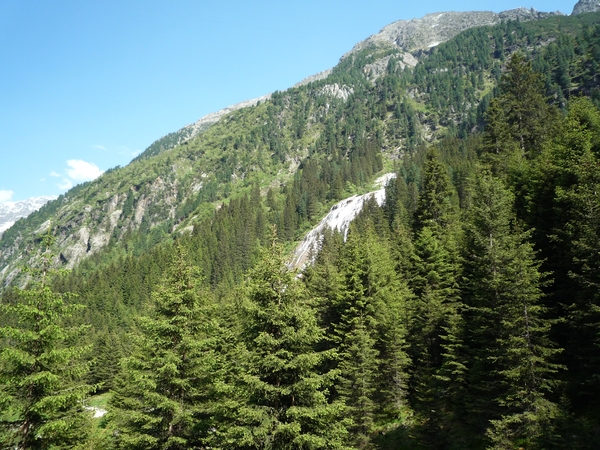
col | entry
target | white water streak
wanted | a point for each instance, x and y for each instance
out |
(339, 218)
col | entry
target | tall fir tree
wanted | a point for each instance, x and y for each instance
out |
(436, 197)
(42, 368)
(511, 371)
(436, 337)
(519, 120)
(565, 211)
(283, 395)
(372, 336)
(436, 328)
(165, 392)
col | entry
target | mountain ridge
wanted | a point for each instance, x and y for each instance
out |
(586, 6)
(166, 194)
(410, 36)
(10, 212)
(420, 34)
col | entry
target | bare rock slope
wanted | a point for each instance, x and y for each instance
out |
(421, 34)
(586, 6)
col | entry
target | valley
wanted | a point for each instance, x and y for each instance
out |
(397, 253)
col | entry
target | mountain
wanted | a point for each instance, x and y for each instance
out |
(190, 131)
(586, 6)
(310, 146)
(10, 212)
(411, 37)
(416, 35)
(461, 298)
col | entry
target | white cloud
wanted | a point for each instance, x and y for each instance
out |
(100, 147)
(54, 174)
(80, 170)
(6, 196)
(65, 184)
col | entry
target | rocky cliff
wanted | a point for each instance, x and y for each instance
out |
(586, 6)
(415, 35)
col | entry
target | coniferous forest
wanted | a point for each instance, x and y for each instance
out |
(464, 313)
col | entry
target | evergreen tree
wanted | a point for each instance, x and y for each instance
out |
(163, 399)
(511, 369)
(436, 195)
(371, 335)
(284, 398)
(436, 337)
(42, 368)
(519, 120)
(565, 211)
(436, 326)
(324, 281)
(105, 365)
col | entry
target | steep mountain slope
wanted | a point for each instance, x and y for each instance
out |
(585, 6)
(340, 128)
(411, 37)
(422, 34)
(190, 131)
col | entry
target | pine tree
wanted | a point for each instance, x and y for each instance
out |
(436, 335)
(163, 399)
(436, 326)
(511, 368)
(42, 368)
(565, 211)
(284, 399)
(519, 120)
(105, 364)
(371, 335)
(436, 195)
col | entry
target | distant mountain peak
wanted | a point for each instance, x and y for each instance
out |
(421, 34)
(10, 212)
(586, 6)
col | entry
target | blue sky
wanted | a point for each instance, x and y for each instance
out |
(87, 85)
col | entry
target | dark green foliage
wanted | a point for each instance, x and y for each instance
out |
(42, 368)
(564, 210)
(435, 326)
(367, 311)
(511, 369)
(284, 397)
(519, 120)
(436, 335)
(435, 200)
(163, 396)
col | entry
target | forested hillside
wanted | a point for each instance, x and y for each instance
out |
(463, 313)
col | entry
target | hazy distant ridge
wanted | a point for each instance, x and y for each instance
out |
(10, 212)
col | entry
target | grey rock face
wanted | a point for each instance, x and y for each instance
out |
(337, 91)
(433, 29)
(585, 6)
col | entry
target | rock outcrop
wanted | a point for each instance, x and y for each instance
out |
(586, 6)
(421, 34)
